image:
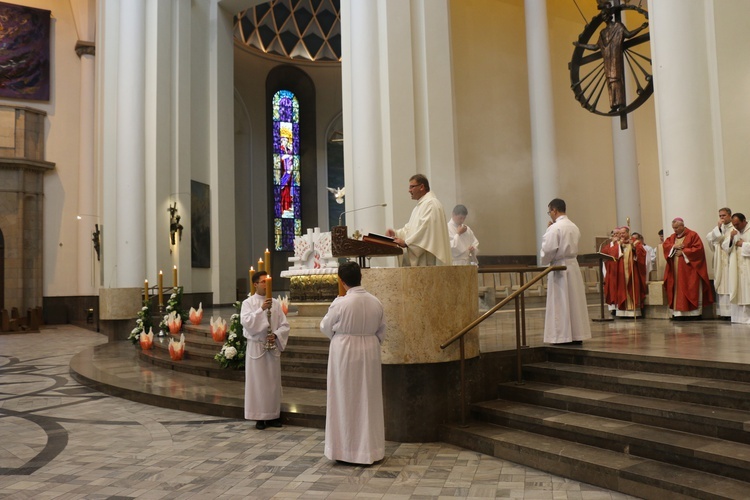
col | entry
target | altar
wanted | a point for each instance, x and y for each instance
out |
(424, 306)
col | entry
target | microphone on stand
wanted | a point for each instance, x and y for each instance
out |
(361, 208)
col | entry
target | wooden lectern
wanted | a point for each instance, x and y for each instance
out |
(343, 246)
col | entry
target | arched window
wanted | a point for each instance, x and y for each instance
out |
(287, 221)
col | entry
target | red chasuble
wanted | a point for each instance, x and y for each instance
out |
(626, 277)
(687, 275)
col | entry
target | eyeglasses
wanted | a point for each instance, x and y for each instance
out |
(412, 186)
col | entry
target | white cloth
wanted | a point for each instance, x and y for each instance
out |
(262, 368)
(739, 276)
(355, 427)
(650, 260)
(460, 244)
(567, 316)
(715, 239)
(426, 234)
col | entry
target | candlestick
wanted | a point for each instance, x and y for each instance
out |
(268, 288)
(342, 290)
(145, 290)
(252, 285)
(260, 265)
(267, 256)
(174, 276)
(161, 286)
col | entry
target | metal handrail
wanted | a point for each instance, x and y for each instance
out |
(513, 296)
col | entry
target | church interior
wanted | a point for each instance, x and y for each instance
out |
(194, 142)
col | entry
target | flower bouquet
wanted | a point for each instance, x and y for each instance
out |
(232, 354)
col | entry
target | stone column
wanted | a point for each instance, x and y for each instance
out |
(130, 218)
(681, 34)
(627, 187)
(84, 12)
(397, 107)
(543, 146)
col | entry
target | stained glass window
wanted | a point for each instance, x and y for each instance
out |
(287, 221)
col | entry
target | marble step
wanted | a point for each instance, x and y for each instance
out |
(637, 476)
(115, 368)
(697, 368)
(306, 351)
(191, 363)
(724, 423)
(304, 365)
(303, 380)
(702, 453)
(692, 389)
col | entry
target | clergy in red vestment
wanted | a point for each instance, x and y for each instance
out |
(626, 276)
(610, 285)
(686, 275)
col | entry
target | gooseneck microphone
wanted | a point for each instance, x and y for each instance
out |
(361, 208)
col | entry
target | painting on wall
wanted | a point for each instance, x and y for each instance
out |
(200, 224)
(25, 54)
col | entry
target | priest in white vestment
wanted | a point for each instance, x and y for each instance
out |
(717, 236)
(567, 318)
(425, 237)
(464, 245)
(263, 366)
(355, 323)
(738, 246)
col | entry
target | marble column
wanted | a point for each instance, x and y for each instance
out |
(686, 114)
(627, 187)
(130, 217)
(84, 12)
(543, 145)
(397, 107)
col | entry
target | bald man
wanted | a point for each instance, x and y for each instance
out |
(686, 276)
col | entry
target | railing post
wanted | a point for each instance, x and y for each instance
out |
(518, 342)
(463, 383)
(523, 311)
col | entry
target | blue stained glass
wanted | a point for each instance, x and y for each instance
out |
(287, 208)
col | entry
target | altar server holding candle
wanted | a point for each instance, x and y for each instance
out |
(263, 365)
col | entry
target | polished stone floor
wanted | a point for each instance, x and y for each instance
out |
(59, 439)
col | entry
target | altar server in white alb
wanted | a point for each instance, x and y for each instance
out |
(464, 245)
(263, 366)
(717, 236)
(567, 319)
(738, 247)
(355, 323)
(425, 237)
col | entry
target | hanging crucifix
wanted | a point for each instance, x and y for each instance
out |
(619, 57)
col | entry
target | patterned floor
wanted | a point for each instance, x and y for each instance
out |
(61, 440)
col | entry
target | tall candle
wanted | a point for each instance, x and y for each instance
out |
(252, 285)
(145, 290)
(260, 265)
(161, 286)
(267, 257)
(174, 276)
(268, 288)
(342, 290)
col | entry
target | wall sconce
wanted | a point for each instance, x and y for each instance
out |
(174, 223)
(96, 237)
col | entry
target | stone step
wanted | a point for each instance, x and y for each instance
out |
(303, 380)
(696, 368)
(692, 389)
(306, 352)
(640, 477)
(304, 365)
(724, 423)
(141, 381)
(702, 453)
(189, 364)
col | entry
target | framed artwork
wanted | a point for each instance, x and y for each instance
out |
(200, 224)
(25, 54)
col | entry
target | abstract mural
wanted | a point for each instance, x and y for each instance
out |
(24, 52)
